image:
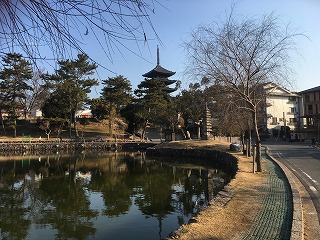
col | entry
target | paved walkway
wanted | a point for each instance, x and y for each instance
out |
(274, 220)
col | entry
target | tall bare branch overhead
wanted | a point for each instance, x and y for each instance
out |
(242, 53)
(65, 26)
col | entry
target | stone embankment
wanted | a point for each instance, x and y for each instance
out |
(211, 157)
(20, 147)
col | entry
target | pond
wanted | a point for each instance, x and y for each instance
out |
(101, 195)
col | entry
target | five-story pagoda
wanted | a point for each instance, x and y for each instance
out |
(161, 74)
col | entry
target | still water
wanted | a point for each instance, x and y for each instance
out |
(107, 195)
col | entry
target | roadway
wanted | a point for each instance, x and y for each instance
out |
(304, 161)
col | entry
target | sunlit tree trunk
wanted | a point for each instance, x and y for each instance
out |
(75, 125)
(258, 142)
(2, 123)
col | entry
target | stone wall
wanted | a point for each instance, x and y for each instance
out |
(37, 147)
(213, 158)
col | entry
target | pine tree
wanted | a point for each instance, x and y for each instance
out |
(72, 85)
(116, 94)
(152, 103)
(14, 77)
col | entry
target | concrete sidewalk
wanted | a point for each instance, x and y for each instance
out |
(288, 211)
(275, 219)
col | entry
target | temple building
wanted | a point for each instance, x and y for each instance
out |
(162, 75)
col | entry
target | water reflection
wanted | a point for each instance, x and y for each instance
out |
(100, 195)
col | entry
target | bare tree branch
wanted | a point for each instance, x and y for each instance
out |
(242, 56)
(65, 26)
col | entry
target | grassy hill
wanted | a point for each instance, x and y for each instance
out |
(94, 129)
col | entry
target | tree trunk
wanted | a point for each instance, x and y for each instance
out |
(70, 128)
(249, 139)
(48, 134)
(198, 132)
(243, 142)
(250, 143)
(2, 123)
(60, 128)
(70, 131)
(160, 133)
(173, 133)
(15, 128)
(110, 125)
(258, 142)
(25, 114)
(75, 125)
(144, 130)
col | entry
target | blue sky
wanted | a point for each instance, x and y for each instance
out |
(175, 21)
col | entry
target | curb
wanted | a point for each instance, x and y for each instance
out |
(297, 220)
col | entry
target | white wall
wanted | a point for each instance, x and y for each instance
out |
(281, 108)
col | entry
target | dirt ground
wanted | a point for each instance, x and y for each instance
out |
(231, 214)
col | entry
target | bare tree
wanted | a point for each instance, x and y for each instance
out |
(64, 26)
(45, 126)
(36, 96)
(234, 119)
(241, 56)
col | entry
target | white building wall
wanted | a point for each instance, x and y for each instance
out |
(282, 109)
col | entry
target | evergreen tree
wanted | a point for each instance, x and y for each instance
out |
(152, 103)
(115, 94)
(55, 107)
(72, 85)
(14, 76)
(98, 109)
(191, 103)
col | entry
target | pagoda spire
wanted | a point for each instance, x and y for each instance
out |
(158, 56)
(161, 74)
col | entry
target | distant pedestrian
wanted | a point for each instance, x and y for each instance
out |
(313, 140)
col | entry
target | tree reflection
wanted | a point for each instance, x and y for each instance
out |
(54, 192)
(12, 209)
(151, 185)
(68, 209)
(116, 194)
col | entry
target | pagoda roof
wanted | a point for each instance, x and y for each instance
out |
(158, 72)
(166, 81)
(169, 90)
